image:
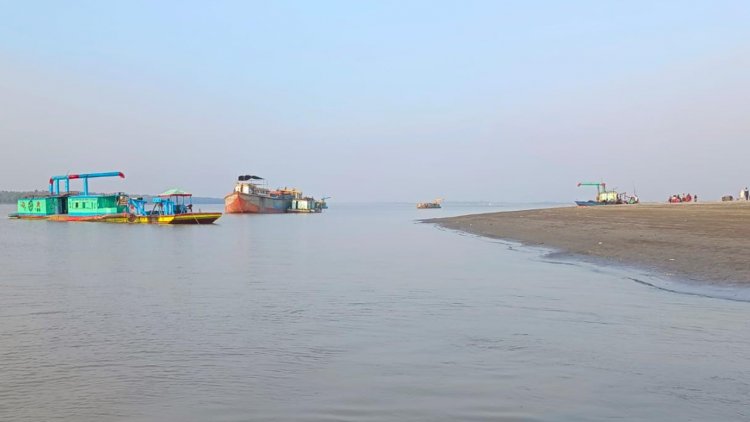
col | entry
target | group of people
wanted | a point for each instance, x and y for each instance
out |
(743, 196)
(684, 198)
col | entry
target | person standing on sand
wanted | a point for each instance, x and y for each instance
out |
(695, 198)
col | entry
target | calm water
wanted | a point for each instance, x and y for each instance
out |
(358, 314)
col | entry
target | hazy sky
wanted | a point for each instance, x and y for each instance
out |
(380, 100)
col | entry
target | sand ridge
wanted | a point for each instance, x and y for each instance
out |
(697, 241)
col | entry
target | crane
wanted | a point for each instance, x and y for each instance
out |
(601, 191)
(600, 187)
(54, 181)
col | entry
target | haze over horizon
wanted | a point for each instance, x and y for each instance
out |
(380, 101)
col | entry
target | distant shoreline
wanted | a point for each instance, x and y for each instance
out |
(705, 242)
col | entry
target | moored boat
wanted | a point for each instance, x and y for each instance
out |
(428, 205)
(306, 205)
(170, 207)
(589, 203)
(251, 196)
(606, 197)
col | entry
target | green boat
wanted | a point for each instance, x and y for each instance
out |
(170, 207)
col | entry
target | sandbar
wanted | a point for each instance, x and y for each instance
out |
(705, 242)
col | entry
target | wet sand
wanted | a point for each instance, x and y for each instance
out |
(702, 242)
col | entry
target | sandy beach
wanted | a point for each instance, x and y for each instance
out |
(707, 242)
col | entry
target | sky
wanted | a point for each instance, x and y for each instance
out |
(379, 100)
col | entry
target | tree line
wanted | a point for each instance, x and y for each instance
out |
(11, 197)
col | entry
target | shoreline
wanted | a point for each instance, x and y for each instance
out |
(706, 243)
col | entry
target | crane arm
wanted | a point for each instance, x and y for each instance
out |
(85, 176)
(601, 187)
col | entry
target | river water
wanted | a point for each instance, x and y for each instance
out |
(357, 314)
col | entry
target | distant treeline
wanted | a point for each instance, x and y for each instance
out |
(11, 197)
(207, 200)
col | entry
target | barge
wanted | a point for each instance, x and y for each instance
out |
(429, 205)
(170, 207)
(252, 196)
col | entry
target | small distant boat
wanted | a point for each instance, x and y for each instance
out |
(605, 197)
(170, 207)
(252, 196)
(429, 205)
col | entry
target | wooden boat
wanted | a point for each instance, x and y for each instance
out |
(127, 218)
(170, 207)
